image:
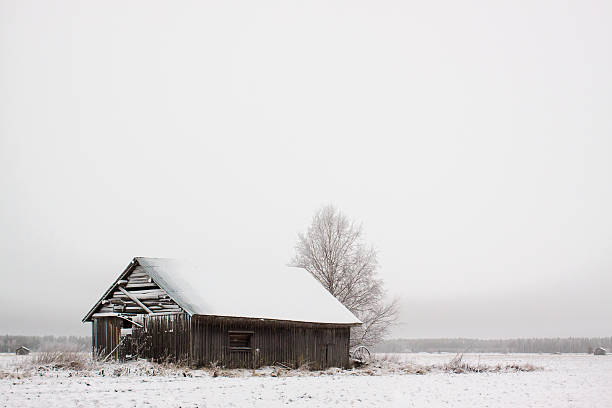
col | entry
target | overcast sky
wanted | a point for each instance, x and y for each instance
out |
(472, 139)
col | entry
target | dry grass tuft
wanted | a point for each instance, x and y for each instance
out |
(458, 366)
(61, 359)
(306, 366)
(390, 358)
(393, 364)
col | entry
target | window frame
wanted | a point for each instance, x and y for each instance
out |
(250, 334)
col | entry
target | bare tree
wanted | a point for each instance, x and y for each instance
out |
(333, 251)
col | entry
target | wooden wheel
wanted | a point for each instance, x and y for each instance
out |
(361, 354)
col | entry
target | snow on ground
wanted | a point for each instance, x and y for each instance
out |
(566, 381)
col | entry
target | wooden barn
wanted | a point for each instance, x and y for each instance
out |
(165, 309)
(600, 351)
(22, 351)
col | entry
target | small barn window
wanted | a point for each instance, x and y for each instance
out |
(240, 340)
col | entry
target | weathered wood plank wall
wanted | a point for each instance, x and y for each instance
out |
(205, 340)
(170, 337)
(105, 334)
(289, 343)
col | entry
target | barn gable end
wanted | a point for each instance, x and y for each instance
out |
(134, 292)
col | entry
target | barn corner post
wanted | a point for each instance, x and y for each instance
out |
(94, 356)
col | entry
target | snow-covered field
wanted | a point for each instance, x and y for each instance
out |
(566, 381)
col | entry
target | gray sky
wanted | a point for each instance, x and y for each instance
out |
(473, 140)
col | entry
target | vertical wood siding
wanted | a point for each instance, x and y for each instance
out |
(169, 336)
(105, 336)
(291, 344)
(205, 340)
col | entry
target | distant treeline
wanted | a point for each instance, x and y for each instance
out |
(535, 345)
(9, 343)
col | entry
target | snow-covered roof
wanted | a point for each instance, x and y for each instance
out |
(285, 293)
